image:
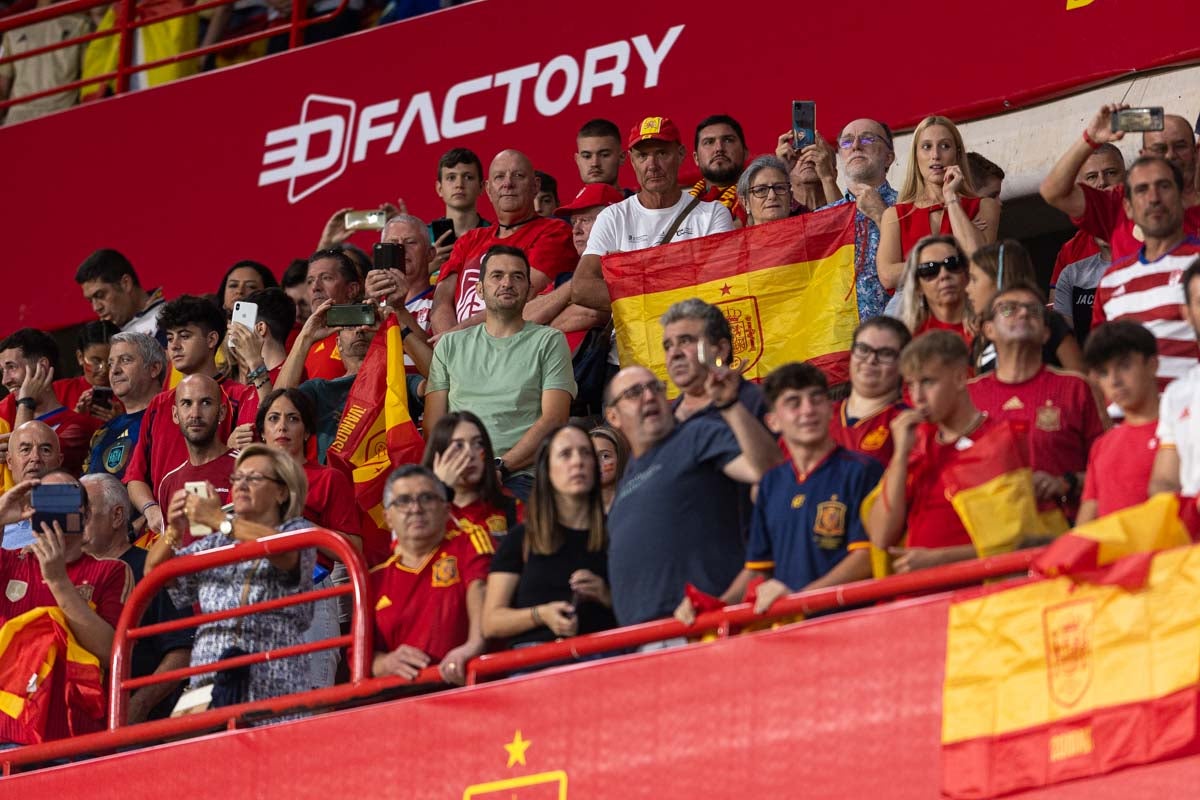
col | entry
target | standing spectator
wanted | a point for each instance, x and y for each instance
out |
(241, 280)
(1123, 359)
(91, 354)
(514, 374)
(764, 191)
(332, 276)
(459, 184)
(116, 294)
(1075, 289)
(295, 283)
(459, 451)
(46, 71)
(260, 351)
(549, 576)
(410, 286)
(720, 153)
(660, 208)
(862, 422)
(613, 454)
(820, 540)
(1104, 169)
(33, 452)
(937, 198)
(934, 288)
(1177, 462)
(599, 155)
(813, 174)
(138, 367)
(547, 196)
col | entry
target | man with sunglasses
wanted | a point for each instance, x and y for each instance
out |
(862, 421)
(675, 519)
(1059, 409)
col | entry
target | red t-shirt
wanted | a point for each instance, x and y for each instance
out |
(69, 390)
(216, 472)
(481, 517)
(324, 359)
(545, 240)
(74, 436)
(1119, 467)
(932, 323)
(330, 500)
(1104, 216)
(1078, 247)
(871, 435)
(426, 607)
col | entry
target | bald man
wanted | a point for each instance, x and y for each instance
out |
(33, 450)
(512, 187)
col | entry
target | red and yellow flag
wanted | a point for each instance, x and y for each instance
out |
(1056, 680)
(786, 287)
(376, 434)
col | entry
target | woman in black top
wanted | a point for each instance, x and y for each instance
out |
(549, 577)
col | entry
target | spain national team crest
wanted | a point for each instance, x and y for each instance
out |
(746, 326)
(830, 524)
(445, 571)
(875, 439)
(117, 455)
(1068, 632)
(86, 590)
(497, 524)
(15, 590)
(1049, 418)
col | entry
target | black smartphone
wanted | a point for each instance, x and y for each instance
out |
(387, 255)
(58, 502)
(102, 396)
(1135, 120)
(804, 123)
(350, 316)
(439, 227)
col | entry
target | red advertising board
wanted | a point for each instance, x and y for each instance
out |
(250, 161)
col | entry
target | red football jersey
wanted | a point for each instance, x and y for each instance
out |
(216, 472)
(1104, 216)
(330, 500)
(481, 517)
(1119, 467)
(324, 359)
(1080, 246)
(871, 435)
(426, 607)
(74, 437)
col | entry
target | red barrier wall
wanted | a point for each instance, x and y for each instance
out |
(250, 161)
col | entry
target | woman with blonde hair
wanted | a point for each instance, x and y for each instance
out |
(935, 281)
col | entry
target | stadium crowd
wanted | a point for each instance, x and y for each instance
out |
(554, 493)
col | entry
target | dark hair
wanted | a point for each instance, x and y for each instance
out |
(411, 471)
(1012, 288)
(265, 274)
(189, 309)
(1115, 339)
(719, 119)
(346, 265)
(1144, 161)
(33, 344)
(459, 155)
(982, 169)
(1189, 275)
(359, 257)
(98, 331)
(885, 323)
(548, 184)
(611, 434)
(599, 129)
(543, 529)
(308, 414)
(276, 310)
(105, 265)
(796, 375)
(503, 250)
(295, 274)
(439, 441)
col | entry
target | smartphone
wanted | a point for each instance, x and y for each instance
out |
(102, 396)
(804, 123)
(439, 227)
(200, 489)
(58, 502)
(350, 316)
(1133, 120)
(387, 255)
(372, 220)
(245, 313)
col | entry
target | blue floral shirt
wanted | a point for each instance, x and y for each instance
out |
(872, 297)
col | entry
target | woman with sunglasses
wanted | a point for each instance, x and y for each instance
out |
(612, 451)
(459, 452)
(765, 190)
(937, 197)
(549, 578)
(934, 287)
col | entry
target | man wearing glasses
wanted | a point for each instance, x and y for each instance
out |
(862, 421)
(428, 597)
(675, 519)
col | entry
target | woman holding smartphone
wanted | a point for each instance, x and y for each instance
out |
(460, 453)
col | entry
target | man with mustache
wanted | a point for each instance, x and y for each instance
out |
(720, 153)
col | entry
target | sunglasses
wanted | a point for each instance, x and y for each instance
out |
(929, 270)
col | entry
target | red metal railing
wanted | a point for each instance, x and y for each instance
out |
(125, 26)
(362, 690)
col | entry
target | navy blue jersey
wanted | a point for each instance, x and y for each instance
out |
(113, 443)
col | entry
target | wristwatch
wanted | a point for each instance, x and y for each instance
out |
(226, 526)
(502, 468)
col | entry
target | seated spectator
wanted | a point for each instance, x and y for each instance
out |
(90, 592)
(1177, 462)
(514, 374)
(268, 492)
(1059, 409)
(765, 191)
(295, 283)
(987, 176)
(546, 199)
(28, 361)
(994, 267)
(819, 542)
(937, 198)
(459, 451)
(91, 354)
(612, 451)
(261, 351)
(428, 597)
(862, 422)
(934, 288)
(549, 575)
(110, 284)
(720, 153)
(241, 280)
(33, 452)
(332, 276)
(138, 366)
(1122, 357)
(106, 536)
(598, 154)
(51, 69)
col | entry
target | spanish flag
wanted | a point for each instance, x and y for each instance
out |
(376, 433)
(1055, 680)
(41, 664)
(786, 287)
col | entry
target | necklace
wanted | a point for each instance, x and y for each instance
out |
(516, 224)
(980, 416)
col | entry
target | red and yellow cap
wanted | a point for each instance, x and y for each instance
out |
(653, 128)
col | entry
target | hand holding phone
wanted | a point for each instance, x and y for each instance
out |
(102, 397)
(804, 123)
(351, 315)
(1138, 120)
(58, 502)
(200, 489)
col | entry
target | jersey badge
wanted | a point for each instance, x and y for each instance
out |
(497, 523)
(116, 455)
(875, 439)
(1049, 418)
(15, 590)
(445, 572)
(1012, 404)
(798, 501)
(830, 524)
(86, 590)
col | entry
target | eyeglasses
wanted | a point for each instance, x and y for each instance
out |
(424, 500)
(634, 392)
(865, 139)
(250, 478)
(779, 190)
(1007, 308)
(929, 270)
(884, 355)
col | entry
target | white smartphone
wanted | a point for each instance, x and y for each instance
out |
(200, 489)
(245, 313)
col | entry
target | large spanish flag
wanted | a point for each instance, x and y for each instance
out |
(1056, 680)
(786, 287)
(376, 433)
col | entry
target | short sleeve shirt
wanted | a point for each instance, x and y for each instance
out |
(1118, 472)
(1179, 427)
(629, 225)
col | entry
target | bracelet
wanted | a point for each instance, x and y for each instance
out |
(28, 402)
(537, 618)
(726, 406)
(1092, 143)
(256, 373)
(404, 332)
(143, 508)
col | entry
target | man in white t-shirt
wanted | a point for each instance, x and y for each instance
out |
(641, 221)
(1177, 463)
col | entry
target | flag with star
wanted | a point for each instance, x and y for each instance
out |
(786, 287)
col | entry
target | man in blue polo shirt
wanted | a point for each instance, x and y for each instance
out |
(806, 532)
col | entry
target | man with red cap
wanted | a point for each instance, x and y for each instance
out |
(661, 212)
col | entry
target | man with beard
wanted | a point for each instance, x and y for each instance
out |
(720, 153)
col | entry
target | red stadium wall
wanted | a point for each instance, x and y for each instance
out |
(249, 162)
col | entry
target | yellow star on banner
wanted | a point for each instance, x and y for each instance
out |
(516, 749)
